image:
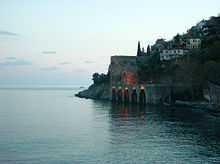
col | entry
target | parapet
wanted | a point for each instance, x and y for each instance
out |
(123, 59)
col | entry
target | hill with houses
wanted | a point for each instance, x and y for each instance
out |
(191, 60)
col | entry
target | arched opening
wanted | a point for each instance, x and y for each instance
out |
(113, 94)
(134, 96)
(119, 94)
(126, 95)
(142, 96)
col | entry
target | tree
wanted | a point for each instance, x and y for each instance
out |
(148, 67)
(100, 78)
(148, 49)
(177, 41)
(139, 49)
(95, 78)
(212, 32)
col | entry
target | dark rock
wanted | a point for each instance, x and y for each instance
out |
(96, 91)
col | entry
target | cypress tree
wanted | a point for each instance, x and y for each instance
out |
(148, 49)
(139, 49)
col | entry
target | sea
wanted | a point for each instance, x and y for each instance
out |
(49, 125)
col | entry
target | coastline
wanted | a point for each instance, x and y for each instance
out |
(101, 92)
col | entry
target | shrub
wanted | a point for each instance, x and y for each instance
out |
(100, 78)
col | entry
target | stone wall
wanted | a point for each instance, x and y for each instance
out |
(214, 94)
(123, 70)
(154, 93)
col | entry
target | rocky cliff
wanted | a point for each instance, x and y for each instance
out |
(122, 71)
(99, 91)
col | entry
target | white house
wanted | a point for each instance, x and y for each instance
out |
(172, 54)
(193, 43)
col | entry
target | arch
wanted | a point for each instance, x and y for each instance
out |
(119, 94)
(126, 95)
(113, 94)
(134, 96)
(142, 96)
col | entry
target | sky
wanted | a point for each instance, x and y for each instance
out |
(63, 42)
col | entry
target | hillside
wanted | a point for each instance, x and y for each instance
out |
(195, 69)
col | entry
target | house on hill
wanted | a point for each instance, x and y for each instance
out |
(177, 47)
(193, 43)
(172, 54)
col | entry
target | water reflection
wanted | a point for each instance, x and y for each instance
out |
(168, 132)
(66, 129)
(127, 111)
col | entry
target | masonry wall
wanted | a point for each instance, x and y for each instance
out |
(123, 70)
(214, 94)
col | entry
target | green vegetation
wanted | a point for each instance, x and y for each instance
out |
(148, 66)
(195, 69)
(139, 53)
(212, 31)
(148, 50)
(212, 72)
(208, 57)
(177, 41)
(100, 78)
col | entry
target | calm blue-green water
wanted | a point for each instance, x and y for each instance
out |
(51, 126)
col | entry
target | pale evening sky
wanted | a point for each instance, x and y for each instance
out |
(65, 41)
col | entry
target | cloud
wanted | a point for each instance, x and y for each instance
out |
(65, 63)
(49, 52)
(52, 68)
(12, 61)
(11, 58)
(89, 62)
(7, 33)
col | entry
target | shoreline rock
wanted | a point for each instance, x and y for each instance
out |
(96, 91)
